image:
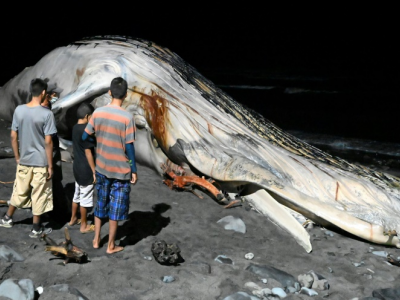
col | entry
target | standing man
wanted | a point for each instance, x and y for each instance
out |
(33, 127)
(115, 129)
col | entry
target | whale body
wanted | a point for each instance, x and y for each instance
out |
(183, 118)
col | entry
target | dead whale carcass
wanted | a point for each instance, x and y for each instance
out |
(184, 118)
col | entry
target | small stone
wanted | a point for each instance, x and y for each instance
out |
(329, 233)
(258, 293)
(224, 260)
(279, 292)
(291, 290)
(297, 286)
(267, 292)
(249, 255)
(380, 253)
(357, 264)
(252, 285)
(168, 279)
(321, 284)
(306, 280)
(307, 291)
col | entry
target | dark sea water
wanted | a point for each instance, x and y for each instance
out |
(351, 107)
(353, 117)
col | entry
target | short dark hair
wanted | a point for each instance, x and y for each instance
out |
(37, 86)
(84, 109)
(118, 88)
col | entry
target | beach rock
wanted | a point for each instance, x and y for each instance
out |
(168, 279)
(305, 280)
(308, 292)
(358, 264)
(164, 253)
(252, 286)
(321, 285)
(319, 281)
(264, 271)
(266, 292)
(18, 289)
(387, 294)
(9, 254)
(278, 292)
(232, 223)
(291, 290)
(329, 233)
(380, 253)
(258, 293)
(224, 260)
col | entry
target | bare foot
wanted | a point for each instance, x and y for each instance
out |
(87, 228)
(115, 249)
(75, 221)
(96, 245)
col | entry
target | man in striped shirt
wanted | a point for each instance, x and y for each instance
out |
(114, 128)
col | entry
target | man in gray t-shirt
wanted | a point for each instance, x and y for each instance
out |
(32, 125)
(31, 139)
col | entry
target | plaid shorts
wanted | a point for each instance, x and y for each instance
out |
(112, 198)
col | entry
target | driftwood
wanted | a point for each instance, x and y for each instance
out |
(66, 249)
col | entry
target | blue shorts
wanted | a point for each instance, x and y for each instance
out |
(112, 198)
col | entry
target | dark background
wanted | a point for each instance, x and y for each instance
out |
(351, 53)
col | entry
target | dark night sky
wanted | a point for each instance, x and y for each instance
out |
(360, 43)
(251, 36)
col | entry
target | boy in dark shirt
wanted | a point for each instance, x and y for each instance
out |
(84, 170)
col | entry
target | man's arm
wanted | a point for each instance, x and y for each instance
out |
(130, 152)
(48, 142)
(90, 159)
(14, 145)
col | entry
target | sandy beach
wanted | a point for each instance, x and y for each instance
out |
(215, 255)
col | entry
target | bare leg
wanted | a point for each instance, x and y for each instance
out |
(74, 218)
(84, 225)
(83, 218)
(10, 211)
(36, 219)
(112, 233)
(97, 230)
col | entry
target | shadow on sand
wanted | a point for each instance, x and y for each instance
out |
(141, 224)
